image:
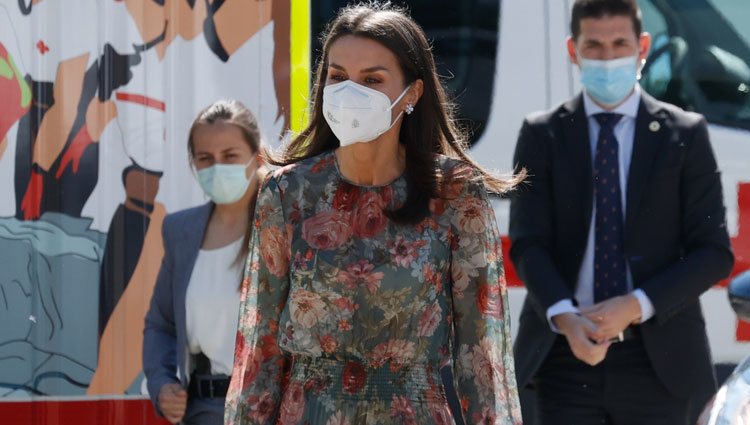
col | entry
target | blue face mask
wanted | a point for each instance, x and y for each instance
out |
(609, 82)
(225, 183)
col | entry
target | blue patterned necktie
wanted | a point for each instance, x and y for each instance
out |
(609, 252)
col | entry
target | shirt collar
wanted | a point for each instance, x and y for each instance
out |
(628, 108)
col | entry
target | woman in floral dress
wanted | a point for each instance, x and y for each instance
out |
(376, 259)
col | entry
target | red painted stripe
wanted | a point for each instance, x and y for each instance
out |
(142, 100)
(84, 412)
(75, 151)
(31, 205)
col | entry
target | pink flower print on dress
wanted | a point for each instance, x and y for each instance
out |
(346, 197)
(460, 281)
(274, 247)
(328, 344)
(484, 366)
(252, 365)
(344, 325)
(438, 406)
(396, 351)
(261, 407)
(489, 301)
(432, 277)
(369, 219)
(345, 304)
(470, 216)
(402, 411)
(307, 308)
(360, 273)
(429, 320)
(405, 252)
(327, 230)
(293, 405)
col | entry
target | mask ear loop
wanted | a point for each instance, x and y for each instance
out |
(400, 114)
(401, 96)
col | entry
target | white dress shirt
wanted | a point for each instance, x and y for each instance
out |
(212, 306)
(625, 134)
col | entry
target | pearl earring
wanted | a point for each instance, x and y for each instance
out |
(409, 109)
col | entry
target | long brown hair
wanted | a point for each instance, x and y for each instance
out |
(431, 129)
(237, 114)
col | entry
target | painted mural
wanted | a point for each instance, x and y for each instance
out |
(96, 98)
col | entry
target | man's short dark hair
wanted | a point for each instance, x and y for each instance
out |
(583, 9)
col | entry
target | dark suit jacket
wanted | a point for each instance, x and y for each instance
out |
(165, 349)
(676, 241)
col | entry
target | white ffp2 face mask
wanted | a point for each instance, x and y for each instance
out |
(357, 113)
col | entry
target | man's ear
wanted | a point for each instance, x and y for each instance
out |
(644, 43)
(572, 50)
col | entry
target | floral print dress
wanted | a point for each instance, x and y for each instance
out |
(347, 317)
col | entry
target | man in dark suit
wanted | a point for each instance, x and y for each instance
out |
(619, 230)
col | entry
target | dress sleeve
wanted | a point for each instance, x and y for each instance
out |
(482, 347)
(256, 388)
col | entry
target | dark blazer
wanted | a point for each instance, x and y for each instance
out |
(166, 357)
(676, 241)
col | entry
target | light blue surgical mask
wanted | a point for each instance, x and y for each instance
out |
(609, 82)
(225, 183)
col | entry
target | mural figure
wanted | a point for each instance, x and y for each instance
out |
(79, 80)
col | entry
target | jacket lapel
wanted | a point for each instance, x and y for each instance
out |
(577, 144)
(193, 231)
(649, 133)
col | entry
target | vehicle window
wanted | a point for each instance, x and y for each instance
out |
(464, 35)
(700, 57)
(737, 12)
(656, 80)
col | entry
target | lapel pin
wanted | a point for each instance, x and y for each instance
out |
(654, 126)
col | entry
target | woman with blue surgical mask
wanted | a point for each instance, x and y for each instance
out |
(375, 281)
(191, 325)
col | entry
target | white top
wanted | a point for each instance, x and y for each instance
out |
(212, 305)
(625, 135)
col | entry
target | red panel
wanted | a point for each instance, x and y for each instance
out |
(84, 412)
(510, 271)
(743, 331)
(741, 243)
(741, 246)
